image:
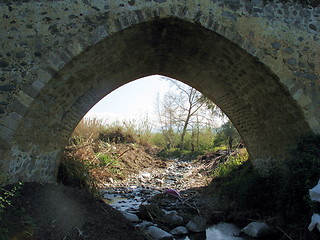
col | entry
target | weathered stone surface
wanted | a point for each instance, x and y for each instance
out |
(7, 87)
(179, 231)
(173, 219)
(257, 229)
(197, 224)
(276, 45)
(4, 64)
(20, 54)
(56, 64)
(130, 216)
(159, 234)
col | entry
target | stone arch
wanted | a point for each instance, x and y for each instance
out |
(264, 40)
(247, 91)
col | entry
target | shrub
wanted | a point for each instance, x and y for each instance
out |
(228, 167)
(282, 193)
(117, 134)
(107, 161)
(75, 171)
(170, 153)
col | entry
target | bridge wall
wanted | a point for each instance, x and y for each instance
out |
(258, 61)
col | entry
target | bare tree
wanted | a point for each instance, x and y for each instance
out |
(166, 116)
(181, 107)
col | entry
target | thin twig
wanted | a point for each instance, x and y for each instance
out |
(123, 153)
(150, 215)
(104, 209)
(6, 190)
(193, 207)
(80, 232)
(284, 233)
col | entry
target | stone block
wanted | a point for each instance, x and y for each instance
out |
(6, 133)
(11, 121)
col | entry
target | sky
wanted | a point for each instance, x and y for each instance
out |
(131, 101)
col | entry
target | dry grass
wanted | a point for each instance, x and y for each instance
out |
(92, 164)
(87, 129)
(98, 152)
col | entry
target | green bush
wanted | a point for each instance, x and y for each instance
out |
(185, 155)
(105, 160)
(227, 135)
(158, 140)
(205, 139)
(225, 169)
(170, 153)
(285, 192)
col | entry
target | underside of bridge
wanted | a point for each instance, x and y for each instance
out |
(266, 116)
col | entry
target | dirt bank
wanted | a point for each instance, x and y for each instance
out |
(47, 211)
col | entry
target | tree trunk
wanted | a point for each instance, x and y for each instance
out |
(184, 131)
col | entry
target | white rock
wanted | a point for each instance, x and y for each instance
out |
(145, 175)
(257, 229)
(130, 216)
(111, 180)
(159, 234)
(315, 221)
(179, 231)
(197, 224)
(315, 192)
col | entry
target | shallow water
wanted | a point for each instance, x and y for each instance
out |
(221, 231)
(127, 199)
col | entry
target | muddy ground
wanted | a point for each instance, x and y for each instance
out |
(50, 212)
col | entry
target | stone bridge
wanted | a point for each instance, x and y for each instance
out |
(257, 60)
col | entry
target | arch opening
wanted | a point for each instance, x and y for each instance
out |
(262, 110)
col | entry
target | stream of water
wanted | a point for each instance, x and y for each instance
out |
(129, 199)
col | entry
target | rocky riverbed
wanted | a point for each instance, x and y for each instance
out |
(163, 203)
(164, 198)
